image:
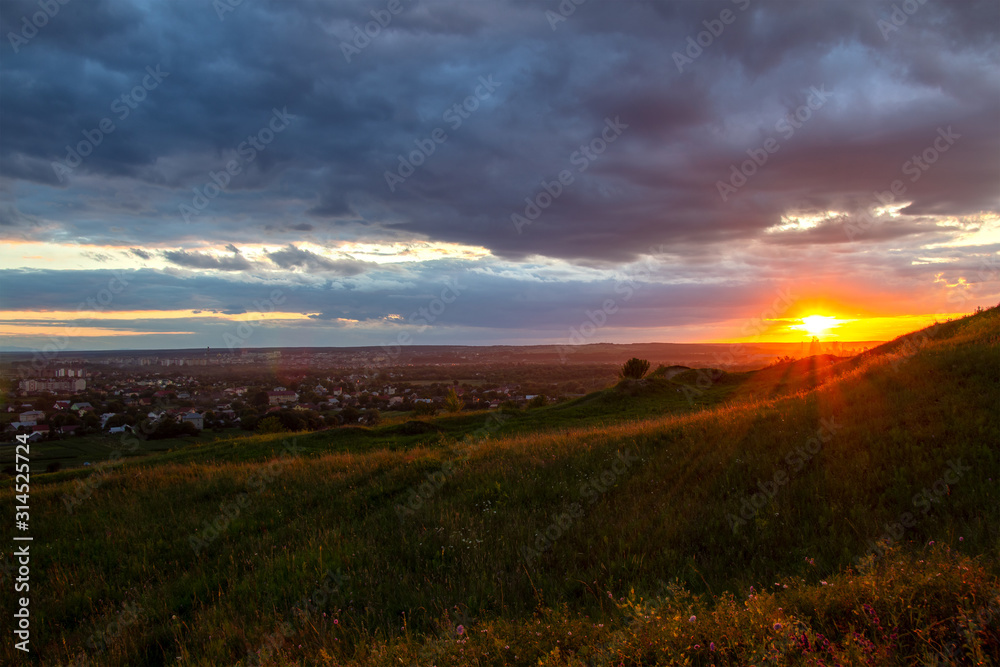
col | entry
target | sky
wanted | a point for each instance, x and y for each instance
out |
(253, 173)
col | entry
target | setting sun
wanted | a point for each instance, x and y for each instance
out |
(818, 325)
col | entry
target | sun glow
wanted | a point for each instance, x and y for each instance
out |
(818, 325)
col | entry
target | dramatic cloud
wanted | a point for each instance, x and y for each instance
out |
(196, 260)
(294, 258)
(747, 143)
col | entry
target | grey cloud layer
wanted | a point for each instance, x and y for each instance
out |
(323, 177)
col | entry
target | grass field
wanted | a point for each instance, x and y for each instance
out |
(843, 510)
(76, 451)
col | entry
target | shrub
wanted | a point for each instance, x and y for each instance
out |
(452, 402)
(634, 368)
(270, 425)
(349, 415)
(424, 409)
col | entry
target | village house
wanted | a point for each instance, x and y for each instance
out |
(31, 417)
(280, 396)
(194, 418)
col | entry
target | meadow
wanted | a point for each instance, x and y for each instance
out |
(823, 511)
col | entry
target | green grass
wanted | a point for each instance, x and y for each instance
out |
(74, 451)
(468, 550)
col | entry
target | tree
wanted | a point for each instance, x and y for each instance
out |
(372, 417)
(424, 409)
(634, 368)
(349, 415)
(249, 419)
(91, 424)
(452, 403)
(270, 425)
(538, 401)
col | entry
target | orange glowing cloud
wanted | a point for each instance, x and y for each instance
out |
(828, 327)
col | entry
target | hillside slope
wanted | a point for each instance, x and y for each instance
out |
(898, 445)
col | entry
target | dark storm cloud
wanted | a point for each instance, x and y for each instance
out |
(197, 260)
(556, 85)
(295, 258)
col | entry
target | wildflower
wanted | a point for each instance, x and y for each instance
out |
(336, 622)
(697, 645)
(823, 583)
(711, 646)
(692, 619)
(777, 626)
(460, 630)
(931, 543)
(961, 539)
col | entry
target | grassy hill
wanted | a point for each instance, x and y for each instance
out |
(789, 512)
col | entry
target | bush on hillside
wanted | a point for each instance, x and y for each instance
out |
(634, 368)
(270, 425)
(452, 402)
(538, 401)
